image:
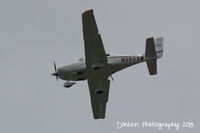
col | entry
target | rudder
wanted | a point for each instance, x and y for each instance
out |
(159, 46)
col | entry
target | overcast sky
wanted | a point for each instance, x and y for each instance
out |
(34, 33)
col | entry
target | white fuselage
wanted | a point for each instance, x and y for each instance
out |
(77, 71)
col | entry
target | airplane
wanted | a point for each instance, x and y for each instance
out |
(98, 66)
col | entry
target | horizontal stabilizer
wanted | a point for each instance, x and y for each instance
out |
(152, 66)
(150, 48)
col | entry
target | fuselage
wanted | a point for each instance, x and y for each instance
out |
(77, 70)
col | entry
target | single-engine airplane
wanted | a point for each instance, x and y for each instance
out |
(98, 66)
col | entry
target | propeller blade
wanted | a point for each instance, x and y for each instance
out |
(56, 71)
(55, 66)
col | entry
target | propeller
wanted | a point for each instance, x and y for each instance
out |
(56, 71)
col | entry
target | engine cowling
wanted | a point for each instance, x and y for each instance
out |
(69, 84)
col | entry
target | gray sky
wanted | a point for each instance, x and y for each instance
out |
(33, 33)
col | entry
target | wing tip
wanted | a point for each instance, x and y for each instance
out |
(97, 118)
(87, 12)
(99, 110)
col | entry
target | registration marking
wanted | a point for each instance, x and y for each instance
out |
(132, 59)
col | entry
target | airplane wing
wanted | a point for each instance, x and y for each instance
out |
(99, 92)
(94, 49)
(95, 57)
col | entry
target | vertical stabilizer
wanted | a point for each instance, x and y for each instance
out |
(159, 46)
(153, 51)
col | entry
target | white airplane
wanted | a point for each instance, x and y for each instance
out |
(97, 66)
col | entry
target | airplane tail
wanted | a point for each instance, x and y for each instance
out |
(154, 50)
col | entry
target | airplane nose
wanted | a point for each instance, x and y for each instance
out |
(56, 71)
(55, 74)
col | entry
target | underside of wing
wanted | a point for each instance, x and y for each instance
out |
(96, 65)
(94, 49)
(99, 92)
